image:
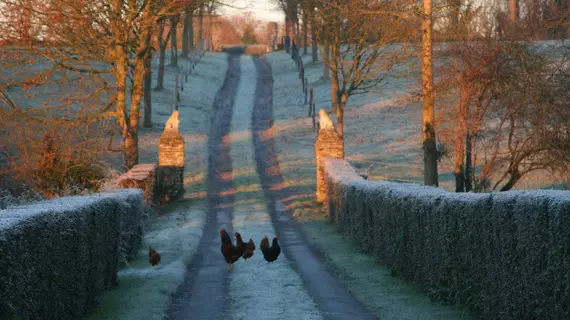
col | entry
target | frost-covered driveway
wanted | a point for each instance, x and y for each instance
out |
(245, 190)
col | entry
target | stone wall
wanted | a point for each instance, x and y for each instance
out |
(328, 145)
(141, 176)
(170, 171)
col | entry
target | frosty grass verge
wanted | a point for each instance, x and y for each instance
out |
(259, 290)
(144, 291)
(370, 282)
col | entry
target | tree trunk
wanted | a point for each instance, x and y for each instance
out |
(514, 177)
(468, 162)
(142, 59)
(190, 34)
(340, 121)
(454, 17)
(459, 171)
(185, 36)
(305, 34)
(147, 95)
(174, 42)
(513, 15)
(326, 71)
(287, 45)
(211, 32)
(293, 32)
(130, 151)
(161, 62)
(314, 44)
(130, 147)
(428, 100)
(297, 29)
(201, 29)
(334, 92)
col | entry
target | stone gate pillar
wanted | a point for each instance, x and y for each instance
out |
(170, 170)
(328, 145)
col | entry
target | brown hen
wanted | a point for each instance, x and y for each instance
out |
(153, 257)
(230, 252)
(248, 249)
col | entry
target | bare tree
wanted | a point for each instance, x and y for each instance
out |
(529, 124)
(365, 48)
(110, 32)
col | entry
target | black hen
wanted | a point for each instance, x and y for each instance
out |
(270, 254)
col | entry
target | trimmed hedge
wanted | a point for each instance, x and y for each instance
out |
(58, 256)
(502, 255)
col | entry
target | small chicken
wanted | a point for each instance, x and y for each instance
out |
(230, 252)
(270, 254)
(153, 257)
(248, 249)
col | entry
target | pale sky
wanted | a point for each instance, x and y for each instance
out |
(263, 9)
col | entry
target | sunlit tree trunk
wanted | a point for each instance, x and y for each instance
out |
(428, 99)
(513, 15)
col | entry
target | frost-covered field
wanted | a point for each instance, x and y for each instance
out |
(374, 124)
(259, 290)
(382, 127)
(197, 99)
(144, 291)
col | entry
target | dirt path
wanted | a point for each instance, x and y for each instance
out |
(332, 298)
(203, 295)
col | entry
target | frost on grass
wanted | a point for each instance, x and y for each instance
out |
(143, 291)
(388, 297)
(259, 290)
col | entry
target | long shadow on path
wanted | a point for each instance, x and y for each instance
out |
(332, 298)
(205, 290)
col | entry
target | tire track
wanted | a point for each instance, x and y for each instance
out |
(332, 298)
(204, 294)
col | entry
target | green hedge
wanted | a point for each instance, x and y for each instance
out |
(502, 255)
(58, 256)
